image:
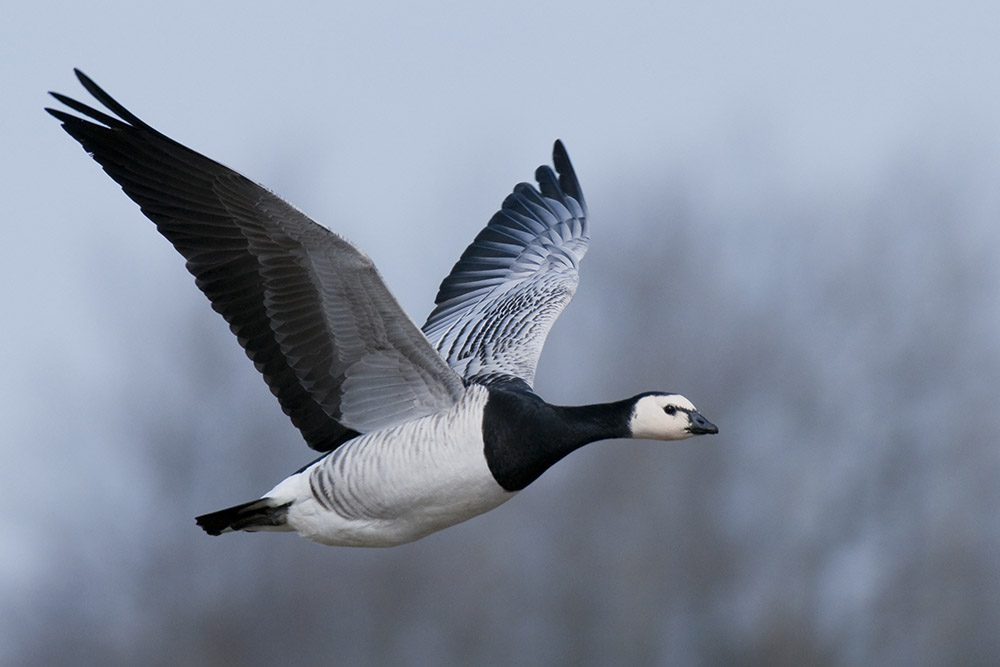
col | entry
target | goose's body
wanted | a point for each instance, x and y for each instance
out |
(422, 429)
(398, 484)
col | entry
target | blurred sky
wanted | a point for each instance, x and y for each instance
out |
(402, 126)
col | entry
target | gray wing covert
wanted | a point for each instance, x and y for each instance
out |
(495, 308)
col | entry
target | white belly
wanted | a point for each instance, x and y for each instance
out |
(399, 484)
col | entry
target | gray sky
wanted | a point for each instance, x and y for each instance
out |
(403, 127)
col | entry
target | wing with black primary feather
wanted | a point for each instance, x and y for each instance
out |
(308, 307)
(496, 307)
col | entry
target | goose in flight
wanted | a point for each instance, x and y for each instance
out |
(420, 429)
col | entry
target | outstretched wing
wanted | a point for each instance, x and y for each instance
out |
(308, 307)
(496, 307)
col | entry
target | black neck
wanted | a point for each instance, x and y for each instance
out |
(524, 435)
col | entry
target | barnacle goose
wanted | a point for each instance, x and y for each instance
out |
(420, 429)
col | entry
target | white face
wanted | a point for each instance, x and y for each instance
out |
(667, 417)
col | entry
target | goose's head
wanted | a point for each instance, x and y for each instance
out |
(667, 417)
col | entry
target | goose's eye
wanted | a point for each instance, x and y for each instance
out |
(670, 410)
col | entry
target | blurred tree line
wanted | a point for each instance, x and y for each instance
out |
(845, 343)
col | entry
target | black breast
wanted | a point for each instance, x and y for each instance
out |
(523, 435)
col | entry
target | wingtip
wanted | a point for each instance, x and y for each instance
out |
(125, 117)
(567, 174)
(560, 157)
(90, 86)
(85, 80)
(59, 97)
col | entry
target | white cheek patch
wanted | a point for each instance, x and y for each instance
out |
(650, 422)
(641, 424)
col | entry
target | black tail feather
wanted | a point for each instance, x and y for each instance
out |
(254, 515)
